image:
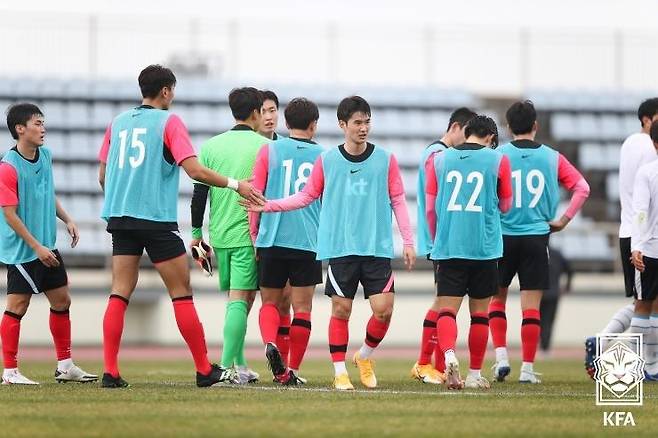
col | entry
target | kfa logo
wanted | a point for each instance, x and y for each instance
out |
(356, 187)
(619, 375)
(617, 419)
(619, 369)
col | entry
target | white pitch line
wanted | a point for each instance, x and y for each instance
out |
(397, 392)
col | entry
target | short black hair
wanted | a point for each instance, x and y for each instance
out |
(521, 117)
(243, 101)
(461, 116)
(20, 114)
(350, 105)
(654, 131)
(270, 95)
(300, 113)
(482, 126)
(648, 108)
(154, 78)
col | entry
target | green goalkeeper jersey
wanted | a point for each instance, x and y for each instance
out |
(232, 153)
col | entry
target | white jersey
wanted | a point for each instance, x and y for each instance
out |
(637, 150)
(644, 235)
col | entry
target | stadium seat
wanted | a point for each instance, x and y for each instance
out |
(77, 115)
(83, 146)
(102, 114)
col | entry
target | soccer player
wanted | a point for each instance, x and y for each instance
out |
(636, 150)
(286, 242)
(361, 187)
(269, 123)
(27, 244)
(140, 158)
(232, 153)
(644, 247)
(423, 369)
(467, 187)
(537, 172)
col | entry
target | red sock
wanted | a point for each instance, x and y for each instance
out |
(60, 328)
(10, 330)
(268, 320)
(439, 358)
(192, 330)
(283, 337)
(478, 337)
(429, 341)
(375, 331)
(112, 331)
(498, 323)
(339, 337)
(300, 332)
(447, 329)
(530, 331)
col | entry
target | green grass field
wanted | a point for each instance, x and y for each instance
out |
(163, 401)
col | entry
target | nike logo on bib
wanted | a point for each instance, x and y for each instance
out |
(461, 157)
(525, 156)
(355, 171)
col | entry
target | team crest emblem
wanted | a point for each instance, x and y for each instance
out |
(619, 369)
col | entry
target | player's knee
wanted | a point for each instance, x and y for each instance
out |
(301, 307)
(18, 304)
(342, 312)
(61, 303)
(384, 314)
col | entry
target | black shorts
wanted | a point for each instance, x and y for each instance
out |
(374, 274)
(160, 245)
(475, 278)
(277, 266)
(627, 266)
(526, 256)
(34, 277)
(646, 283)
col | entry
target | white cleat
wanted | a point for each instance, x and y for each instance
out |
(247, 375)
(453, 378)
(14, 377)
(501, 369)
(528, 376)
(480, 382)
(75, 374)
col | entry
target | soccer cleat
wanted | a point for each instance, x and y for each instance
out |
(110, 381)
(528, 376)
(480, 382)
(14, 377)
(300, 380)
(590, 355)
(501, 369)
(289, 379)
(74, 374)
(342, 383)
(247, 375)
(217, 374)
(366, 371)
(274, 360)
(427, 374)
(201, 253)
(453, 378)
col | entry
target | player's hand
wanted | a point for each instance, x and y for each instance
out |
(409, 254)
(252, 207)
(247, 191)
(47, 257)
(559, 224)
(638, 260)
(72, 229)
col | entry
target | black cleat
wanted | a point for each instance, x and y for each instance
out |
(110, 381)
(217, 374)
(274, 360)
